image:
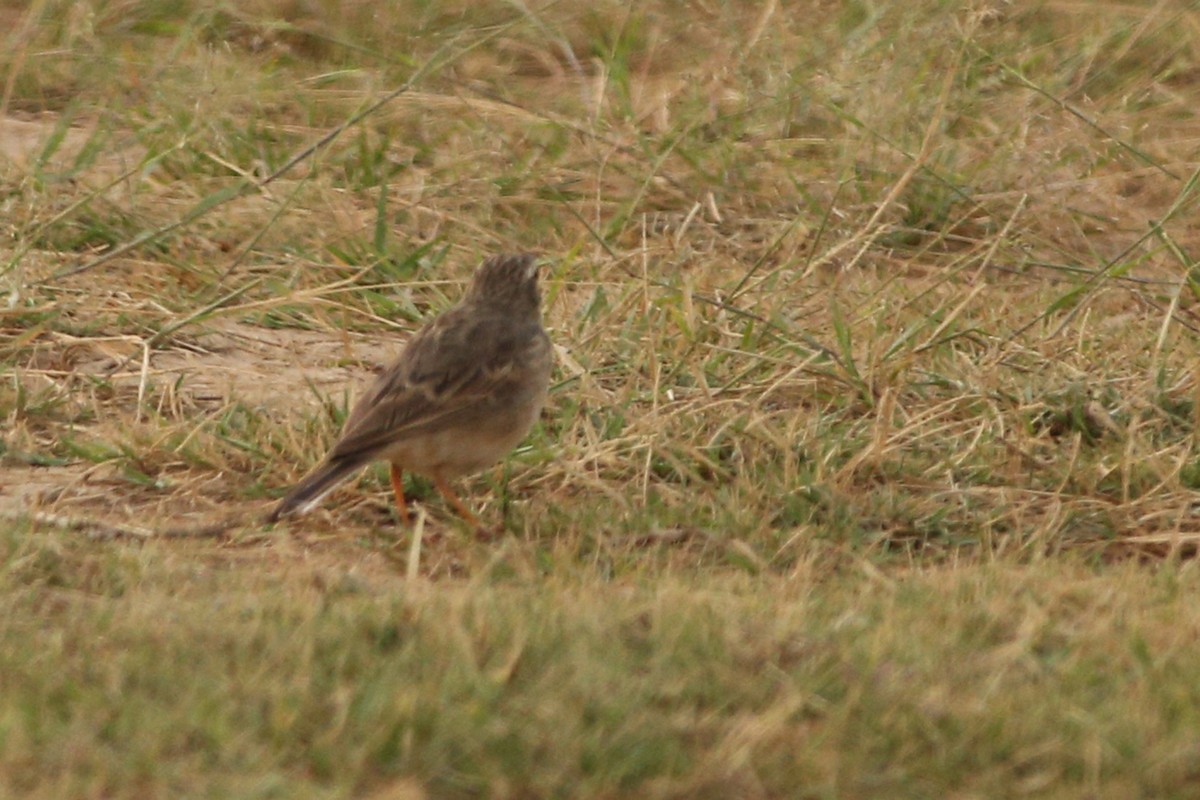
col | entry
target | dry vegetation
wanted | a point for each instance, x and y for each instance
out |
(870, 463)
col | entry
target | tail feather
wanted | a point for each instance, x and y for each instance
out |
(313, 488)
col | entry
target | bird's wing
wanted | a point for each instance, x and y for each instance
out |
(450, 370)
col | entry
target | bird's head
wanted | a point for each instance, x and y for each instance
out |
(508, 282)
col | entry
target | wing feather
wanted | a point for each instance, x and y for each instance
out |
(450, 370)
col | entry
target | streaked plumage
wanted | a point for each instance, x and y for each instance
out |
(462, 394)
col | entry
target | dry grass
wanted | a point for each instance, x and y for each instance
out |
(877, 334)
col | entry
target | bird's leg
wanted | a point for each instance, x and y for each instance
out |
(458, 504)
(398, 489)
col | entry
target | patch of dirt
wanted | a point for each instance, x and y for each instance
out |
(22, 140)
(272, 368)
(284, 371)
(230, 362)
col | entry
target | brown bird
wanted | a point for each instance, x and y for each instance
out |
(462, 394)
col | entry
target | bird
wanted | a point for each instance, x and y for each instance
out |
(463, 392)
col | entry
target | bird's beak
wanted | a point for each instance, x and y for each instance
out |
(531, 270)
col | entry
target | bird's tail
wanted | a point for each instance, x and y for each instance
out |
(313, 488)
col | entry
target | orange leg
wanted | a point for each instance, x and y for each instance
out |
(458, 504)
(398, 488)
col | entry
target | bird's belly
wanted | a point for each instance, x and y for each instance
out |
(463, 451)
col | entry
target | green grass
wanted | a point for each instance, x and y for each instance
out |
(160, 671)
(869, 465)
